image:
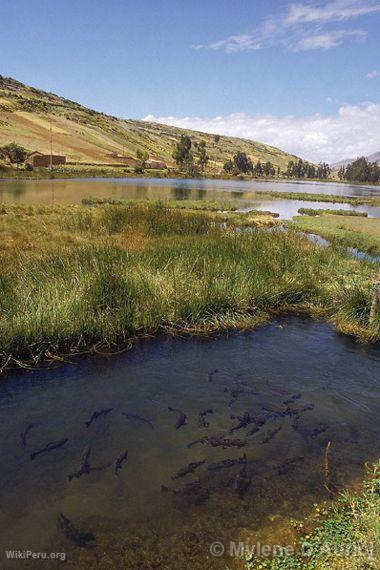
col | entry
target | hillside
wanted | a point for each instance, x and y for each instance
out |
(87, 136)
(375, 157)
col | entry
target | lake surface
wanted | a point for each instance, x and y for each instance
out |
(137, 523)
(70, 191)
(289, 208)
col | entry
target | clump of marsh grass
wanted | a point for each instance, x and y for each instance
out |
(186, 273)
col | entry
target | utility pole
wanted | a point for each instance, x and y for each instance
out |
(51, 147)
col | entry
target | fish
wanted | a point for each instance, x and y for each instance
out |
(132, 416)
(318, 430)
(296, 421)
(24, 434)
(289, 465)
(80, 539)
(292, 399)
(182, 417)
(189, 469)
(120, 460)
(244, 421)
(271, 434)
(297, 411)
(84, 466)
(260, 420)
(49, 447)
(202, 418)
(97, 414)
(211, 375)
(242, 482)
(219, 441)
(236, 392)
(227, 463)
(198, 495)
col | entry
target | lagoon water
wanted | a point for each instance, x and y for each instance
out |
(136, 524)
(70, 191)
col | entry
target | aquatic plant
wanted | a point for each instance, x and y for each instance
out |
(314, 212)
(346, 535)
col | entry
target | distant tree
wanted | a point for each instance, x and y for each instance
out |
(311, 171)
(229, 166)
(300, 169)
(269, 169)
(278, 171)
(243, 163)
(290, 169)
(216, 139)
(362, 171)
(143, 156)
(341, 173)
(303, 169)
(374, 172)
(259, 169)
(323, 170)
(203, 156)
(183, 154)
(14, 153)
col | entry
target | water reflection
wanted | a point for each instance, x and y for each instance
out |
(73, 190)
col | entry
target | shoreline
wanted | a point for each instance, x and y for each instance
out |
(102, 173)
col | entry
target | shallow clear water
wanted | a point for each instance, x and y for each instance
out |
(136, 524)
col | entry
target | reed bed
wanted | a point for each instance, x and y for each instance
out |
(76, 278)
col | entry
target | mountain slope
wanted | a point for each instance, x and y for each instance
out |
(87, 136)
(375, 157)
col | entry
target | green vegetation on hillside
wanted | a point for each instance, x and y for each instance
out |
(73, 278)
(87, 136)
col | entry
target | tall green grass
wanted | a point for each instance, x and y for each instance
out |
(188, 273)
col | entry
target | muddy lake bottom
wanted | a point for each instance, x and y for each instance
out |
(142, 517)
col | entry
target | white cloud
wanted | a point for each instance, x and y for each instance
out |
(233, 44)
(337, 10)
(373, 74)
(326, 40)
(301, 27)
(353, 131)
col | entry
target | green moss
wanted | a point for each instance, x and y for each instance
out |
(345, 536)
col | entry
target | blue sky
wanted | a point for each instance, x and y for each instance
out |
(256, 68)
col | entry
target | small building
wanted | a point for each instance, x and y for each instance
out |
(39, 159)
(156, 164)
